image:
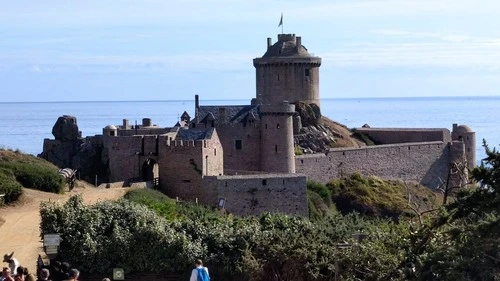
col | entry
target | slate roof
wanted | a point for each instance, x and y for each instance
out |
(286, 49)
(234, 113)
(195, 134)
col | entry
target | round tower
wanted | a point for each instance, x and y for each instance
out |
(110, 131)
(277, 150)
(468, 137)
(287, 72)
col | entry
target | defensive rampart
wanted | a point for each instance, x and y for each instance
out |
(406, 135)
(254, 194)
(426, 163)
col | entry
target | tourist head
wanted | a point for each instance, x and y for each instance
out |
(65, 266)
(8, 257)
(6, 272)
(74, 273)
(57, 265)
(30, 277)
(44, 274)
(198, 262)
(20, 270)
(106, 279)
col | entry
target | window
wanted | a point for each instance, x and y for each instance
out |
(307, 72)
(215, 151)
(264, 182)
(276, 148)
(238, 145)
(278, 126)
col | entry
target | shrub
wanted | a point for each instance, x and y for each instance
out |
(118, 234)
(9, 186)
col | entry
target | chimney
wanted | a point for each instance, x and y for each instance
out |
(196, 108)
(269, 42)
(298, 42)
(222, 115)
(125, 124)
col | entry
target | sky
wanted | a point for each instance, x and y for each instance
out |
(121, 50)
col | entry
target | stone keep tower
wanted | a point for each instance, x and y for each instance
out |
(287, 72)
(468, 137)
(277, 150)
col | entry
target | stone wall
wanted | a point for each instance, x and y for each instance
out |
(288, 81)
(427, 163)
(246, 158)
(254, 194)
(405, 135)
(125, 157)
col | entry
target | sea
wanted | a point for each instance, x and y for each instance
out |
(24, 125)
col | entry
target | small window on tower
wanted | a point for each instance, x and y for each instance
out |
(306, 72)
(278, 126)
(238, 145)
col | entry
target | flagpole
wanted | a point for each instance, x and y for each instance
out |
(281, 23)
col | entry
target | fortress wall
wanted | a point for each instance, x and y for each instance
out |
(181, 169)
(426, 163)
(254, 194)
(143, 131)
(246, 158)
(213, 156)
(150, 145)
(403, 135)
(124, 157)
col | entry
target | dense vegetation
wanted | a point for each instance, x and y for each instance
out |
(370, 196)
(18, 170)
(150, 232)
(281, 247)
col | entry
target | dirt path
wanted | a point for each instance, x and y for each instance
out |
(20, 231)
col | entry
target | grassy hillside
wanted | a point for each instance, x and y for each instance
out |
(18, 170)
(370, 196)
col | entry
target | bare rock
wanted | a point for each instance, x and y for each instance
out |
(66, 129)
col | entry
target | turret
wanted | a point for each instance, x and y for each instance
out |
(277, 150)
(468, 137)
(287, 72)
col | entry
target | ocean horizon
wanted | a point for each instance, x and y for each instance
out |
(24, 125)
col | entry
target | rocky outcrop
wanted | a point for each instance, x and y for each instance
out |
(316, 134)
(70, 150)
(310, 113)
(66, 129)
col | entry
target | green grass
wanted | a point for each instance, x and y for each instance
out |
(369, 196)
(169, 208)
(18, 170)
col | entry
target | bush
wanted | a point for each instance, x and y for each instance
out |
(118, 234)
(9, 186)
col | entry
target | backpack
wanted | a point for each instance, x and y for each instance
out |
(203, 274)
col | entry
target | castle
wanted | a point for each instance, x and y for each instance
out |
(242, 158)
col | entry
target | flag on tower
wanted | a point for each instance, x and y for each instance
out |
(281, 20)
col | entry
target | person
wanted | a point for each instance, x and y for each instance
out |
(106, 279)
(6, 274)
(56, 271)
(199, 273)
(20, 274)
(44, 275)
(13, 262)
(30, 277)
(73, 274)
